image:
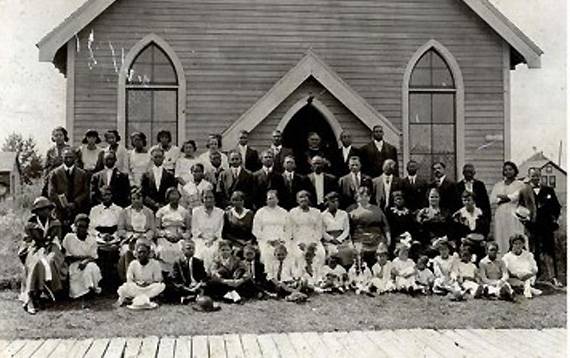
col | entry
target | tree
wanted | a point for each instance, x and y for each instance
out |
(28, 156)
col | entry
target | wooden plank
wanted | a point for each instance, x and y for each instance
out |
(482, 343)
(535, 340)
(29, 348)
(445, 348)
(469, 348)
(493, 338)
(370, 349)
(115, 348)
(512, 341)
(409, 338)
(97, 349)
(337, 349)
(381, 339)
(183, 347)
(316, 344)
(63, 348)
(80, 348)
(3, 344)
(267, 346)
(46, 348)
(14, 347)
(132, 347)
(149, 347)
(166, 347)
(199, 346)
(250, 346)
(408, 348)
(216, 347)
(284, 345)
(300, 344)
(233, 346)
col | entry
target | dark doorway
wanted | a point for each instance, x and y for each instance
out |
(308, 119)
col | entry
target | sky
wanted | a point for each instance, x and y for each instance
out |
(32, 94)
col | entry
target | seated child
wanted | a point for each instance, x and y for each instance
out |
(334, 276)
(382, 272)
(311, 272)
(424, 276)
(521, 266)
(404, 270)
(81, 254)
(466, 274)
(227, 274)
(256, 279)
(443, 266)
(359, 275)
(188, 277)
(144, 275)
(494, 275)
(282, 272)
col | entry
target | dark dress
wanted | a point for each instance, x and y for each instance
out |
(432, 224)
(238, 230)
(461, 229)
(401, 221)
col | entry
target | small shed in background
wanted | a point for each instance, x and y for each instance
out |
(10, 175)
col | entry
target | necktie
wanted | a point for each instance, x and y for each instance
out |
(190, 270)
(412, 180)
(235, 173)
(280, 271)
(253, 269)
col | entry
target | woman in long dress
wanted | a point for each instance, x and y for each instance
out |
(508, 195)
(270, 227)
(139, 158)
(207, 227)
(238, 223)
(306, 225)
(433, 223)
(336, 230)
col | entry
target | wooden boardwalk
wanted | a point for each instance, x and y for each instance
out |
(498, 343)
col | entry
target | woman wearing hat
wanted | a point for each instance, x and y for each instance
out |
(89, 152)
(139, 158)
(508, 194)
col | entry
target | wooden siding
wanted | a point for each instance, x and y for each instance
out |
(233, 51)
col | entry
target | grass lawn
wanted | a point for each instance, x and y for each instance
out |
(321, 313)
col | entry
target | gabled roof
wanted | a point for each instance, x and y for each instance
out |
(538, 160)
(84, 15)
(310, 66)
(7, 160)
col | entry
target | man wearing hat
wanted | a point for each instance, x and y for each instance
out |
(113, 178)
(89, 151)
(68, 188)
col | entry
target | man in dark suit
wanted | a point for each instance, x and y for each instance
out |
(351, 182)
(68, 189)
(266, 178)
(249, 156)
(188, 278)
(385, 185)
(110, 176)
(234, 179)
(447, 188)
(343, 154)
(414, 188)
(214, 174)
(321, 183)
(376, 152)
(294, 183)
(155, 182)
(542, 240)
(279, 151)
(477, 187)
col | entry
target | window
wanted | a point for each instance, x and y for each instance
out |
(432, 114)
(548, 168)
(552, 181)
(544, 180)
(152, 91)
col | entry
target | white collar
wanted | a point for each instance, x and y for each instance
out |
(278, 147)
(238, 215)
(154, 167)
(412, 176)
(68, 168)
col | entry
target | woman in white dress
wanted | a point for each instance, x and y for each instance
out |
(182, 170)
(336, 230)
(271, 228)
(306, 225)
(507, 194)
(214, 145)
(139, 158)
(173, 222)
(90, 151)
(171, 152)
(193, 189)
(207, 226)
(81, 253)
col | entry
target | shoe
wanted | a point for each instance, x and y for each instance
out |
(527, 292)
(478, 292)
(506, 294)
(556, 283)
(486, 292)
(535, 291)
(30, 308)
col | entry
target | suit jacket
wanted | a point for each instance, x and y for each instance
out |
(348, 188)
(251, 161)
(227, 184)
(547, 208)
(340, 166)
(330, 184)
(213, 176)
(448, 195)
(279, 157)
(415, 194)
(259, 276)
(153, 198)
(120, 187)
(263, 183)
(379, 192)
(181, 272)
(75, 189)
(481, 196)
(372, 159)
(232, 269)
(299, 182)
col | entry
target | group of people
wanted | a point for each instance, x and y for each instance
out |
(168, 223)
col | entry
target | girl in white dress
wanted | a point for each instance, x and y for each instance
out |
(171, 152)
(214, 145)
(81, 252)
(185, 162)
(270, 227)
(306, 225)
(194, 188)
(139, 158)
(90, 150)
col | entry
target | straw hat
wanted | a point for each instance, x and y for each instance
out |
(522, 213)
(142, 302)
(205, 304)
(41, 202)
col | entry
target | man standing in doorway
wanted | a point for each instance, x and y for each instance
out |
(343, 154)
(376, 152)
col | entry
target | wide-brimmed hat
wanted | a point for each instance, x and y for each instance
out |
(205, 304)
(443, 241)
(142, 302)
(522, 213)
(41, 202)
(475, 237)
(91, 133)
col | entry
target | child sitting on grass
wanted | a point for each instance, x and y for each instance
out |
(311, 272)
(227, 275)
(444, 265)
(494, 275)
(521, 267)
(256, 284)
(282, 272)
(404, 271)
(467, 275)
(382, 272)
(424, 276)
(359, 275)
(188, 275)
(144, 276)
(334, 276)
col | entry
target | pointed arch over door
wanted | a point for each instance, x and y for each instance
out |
(152, 91)
(433, 115)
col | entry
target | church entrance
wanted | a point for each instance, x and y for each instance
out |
(308, 119)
